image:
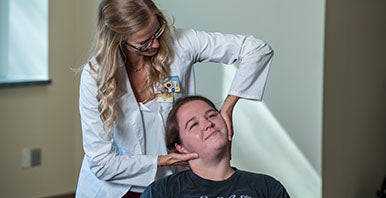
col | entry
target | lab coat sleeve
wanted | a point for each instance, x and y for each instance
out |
(253, 57)
(103, 158)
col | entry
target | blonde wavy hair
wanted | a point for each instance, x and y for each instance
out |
(117, 21)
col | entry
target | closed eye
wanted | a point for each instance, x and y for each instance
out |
(212, 114)
(193, 125)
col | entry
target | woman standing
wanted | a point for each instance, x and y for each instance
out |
(141, 64)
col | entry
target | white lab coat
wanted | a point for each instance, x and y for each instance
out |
(114, 163)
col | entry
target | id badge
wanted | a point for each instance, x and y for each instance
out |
(164, 97)
(165, 91)
(173, 84)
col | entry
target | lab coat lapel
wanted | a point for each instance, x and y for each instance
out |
(130, 120)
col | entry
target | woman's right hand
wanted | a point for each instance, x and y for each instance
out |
(175, 159)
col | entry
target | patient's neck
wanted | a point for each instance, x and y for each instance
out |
(213, 169)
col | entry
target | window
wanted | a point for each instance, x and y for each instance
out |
(23, 42)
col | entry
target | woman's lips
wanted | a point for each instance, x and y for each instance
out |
(212, 133)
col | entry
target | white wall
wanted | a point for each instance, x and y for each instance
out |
(282, 135)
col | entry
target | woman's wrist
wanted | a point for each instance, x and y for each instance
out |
(159, 161)
(229, 103)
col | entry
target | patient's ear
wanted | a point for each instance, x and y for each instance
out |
(181, 149)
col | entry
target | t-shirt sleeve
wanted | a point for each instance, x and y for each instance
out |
(275, 188)
(155, 189)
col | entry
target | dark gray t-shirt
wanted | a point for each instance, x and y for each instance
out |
(241, 184)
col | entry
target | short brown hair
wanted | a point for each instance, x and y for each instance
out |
(172, 130)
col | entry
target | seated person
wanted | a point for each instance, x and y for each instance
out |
(194, 125)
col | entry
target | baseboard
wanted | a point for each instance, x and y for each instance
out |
(69, 195)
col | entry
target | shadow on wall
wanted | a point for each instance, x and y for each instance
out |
(261, 145)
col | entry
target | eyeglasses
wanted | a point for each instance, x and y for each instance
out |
(149, 42)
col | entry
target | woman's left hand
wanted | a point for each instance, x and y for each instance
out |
(227, 111)
(228, 120)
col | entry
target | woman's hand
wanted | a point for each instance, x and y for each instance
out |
(227, 111)
(175, 159)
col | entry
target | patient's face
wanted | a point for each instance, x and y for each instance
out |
(202, 128)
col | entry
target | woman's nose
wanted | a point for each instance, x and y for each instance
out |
(155, 43)
(205, 124)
